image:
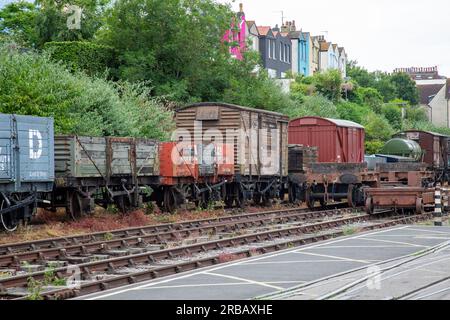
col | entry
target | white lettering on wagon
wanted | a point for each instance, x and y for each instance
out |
(35, 148)
(4, 160)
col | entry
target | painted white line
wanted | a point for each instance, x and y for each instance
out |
(113, 292)
(368, 247)
(432, 238)
(293, 262)
(409, 269)
(398, 242)
(245, 280)
(217, 285)
(335, 257)
(430, 231)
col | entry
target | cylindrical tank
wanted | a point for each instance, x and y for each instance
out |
(403, 148)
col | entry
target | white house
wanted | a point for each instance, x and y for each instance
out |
(435, 98)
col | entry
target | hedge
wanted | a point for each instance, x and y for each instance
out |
(79, 55)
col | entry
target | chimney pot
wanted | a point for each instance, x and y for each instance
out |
(241, 7)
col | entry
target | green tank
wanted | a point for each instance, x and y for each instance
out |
(403, 148)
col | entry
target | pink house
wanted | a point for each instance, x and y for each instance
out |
(236, 35)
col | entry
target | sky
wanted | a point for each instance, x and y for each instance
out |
(379, 34)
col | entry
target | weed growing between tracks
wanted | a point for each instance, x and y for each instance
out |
(49, 224)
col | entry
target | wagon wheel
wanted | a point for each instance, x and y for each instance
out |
(205, 199)
(323, 202)
(170, 203)
(123, 204)
(8, 220)
(369, 205)
(257, 199)
(309, 199)
(419, 206)
(75, 207)
(229, 201)
(265, 200)
(241, 201)
(351, 196)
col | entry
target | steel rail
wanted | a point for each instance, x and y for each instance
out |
(102, 247)
(34, 245)
(123, 280)
(153, 257)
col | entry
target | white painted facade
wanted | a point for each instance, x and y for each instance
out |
(439, 107)
(294, 46)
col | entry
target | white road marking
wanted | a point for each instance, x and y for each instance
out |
(218, 284)
(290, 262)
(339, 247)
(114, 292)
(397, 242)
(429, 231)
(245, 280)
(335, 257)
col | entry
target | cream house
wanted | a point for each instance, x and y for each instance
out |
(314, 54)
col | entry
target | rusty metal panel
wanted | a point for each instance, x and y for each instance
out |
(207, 113)
(103, 157)
(400, 167)
(232, 119)
(337, 141)
(327, 168)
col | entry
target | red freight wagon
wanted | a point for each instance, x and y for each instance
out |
(338, 141)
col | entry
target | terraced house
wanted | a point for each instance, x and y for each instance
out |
(275, 49)
(300, 48)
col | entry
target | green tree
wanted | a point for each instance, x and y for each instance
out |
(18, 20)
(329, 84)
(370, 97)
(33, 84)
(377, 127)
(406, 88)
(393, 114)
(174, 44)
(47, 20)
(352, 111)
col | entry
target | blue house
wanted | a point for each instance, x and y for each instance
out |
(303, 53)
(300, 48)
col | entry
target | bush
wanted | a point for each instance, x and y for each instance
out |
(373, 147)
(377, 128)
(33, 84)
(313, 106)
(393, 114)
(81, 55)
(352, 111)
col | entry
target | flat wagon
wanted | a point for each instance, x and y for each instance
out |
(26, 166)
(260, 146)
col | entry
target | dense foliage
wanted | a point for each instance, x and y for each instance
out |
(170, 51)
(33, 84)
(85, 56)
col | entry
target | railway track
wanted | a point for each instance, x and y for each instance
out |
(107, 264)
(61, 242)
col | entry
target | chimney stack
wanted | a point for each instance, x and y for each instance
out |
(241, 7)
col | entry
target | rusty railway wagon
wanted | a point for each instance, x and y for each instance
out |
(26, 166)
(338, 171)
(260, 147)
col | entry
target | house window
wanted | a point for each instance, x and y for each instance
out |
(282, 51)
(269, 48)
(273, 49)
